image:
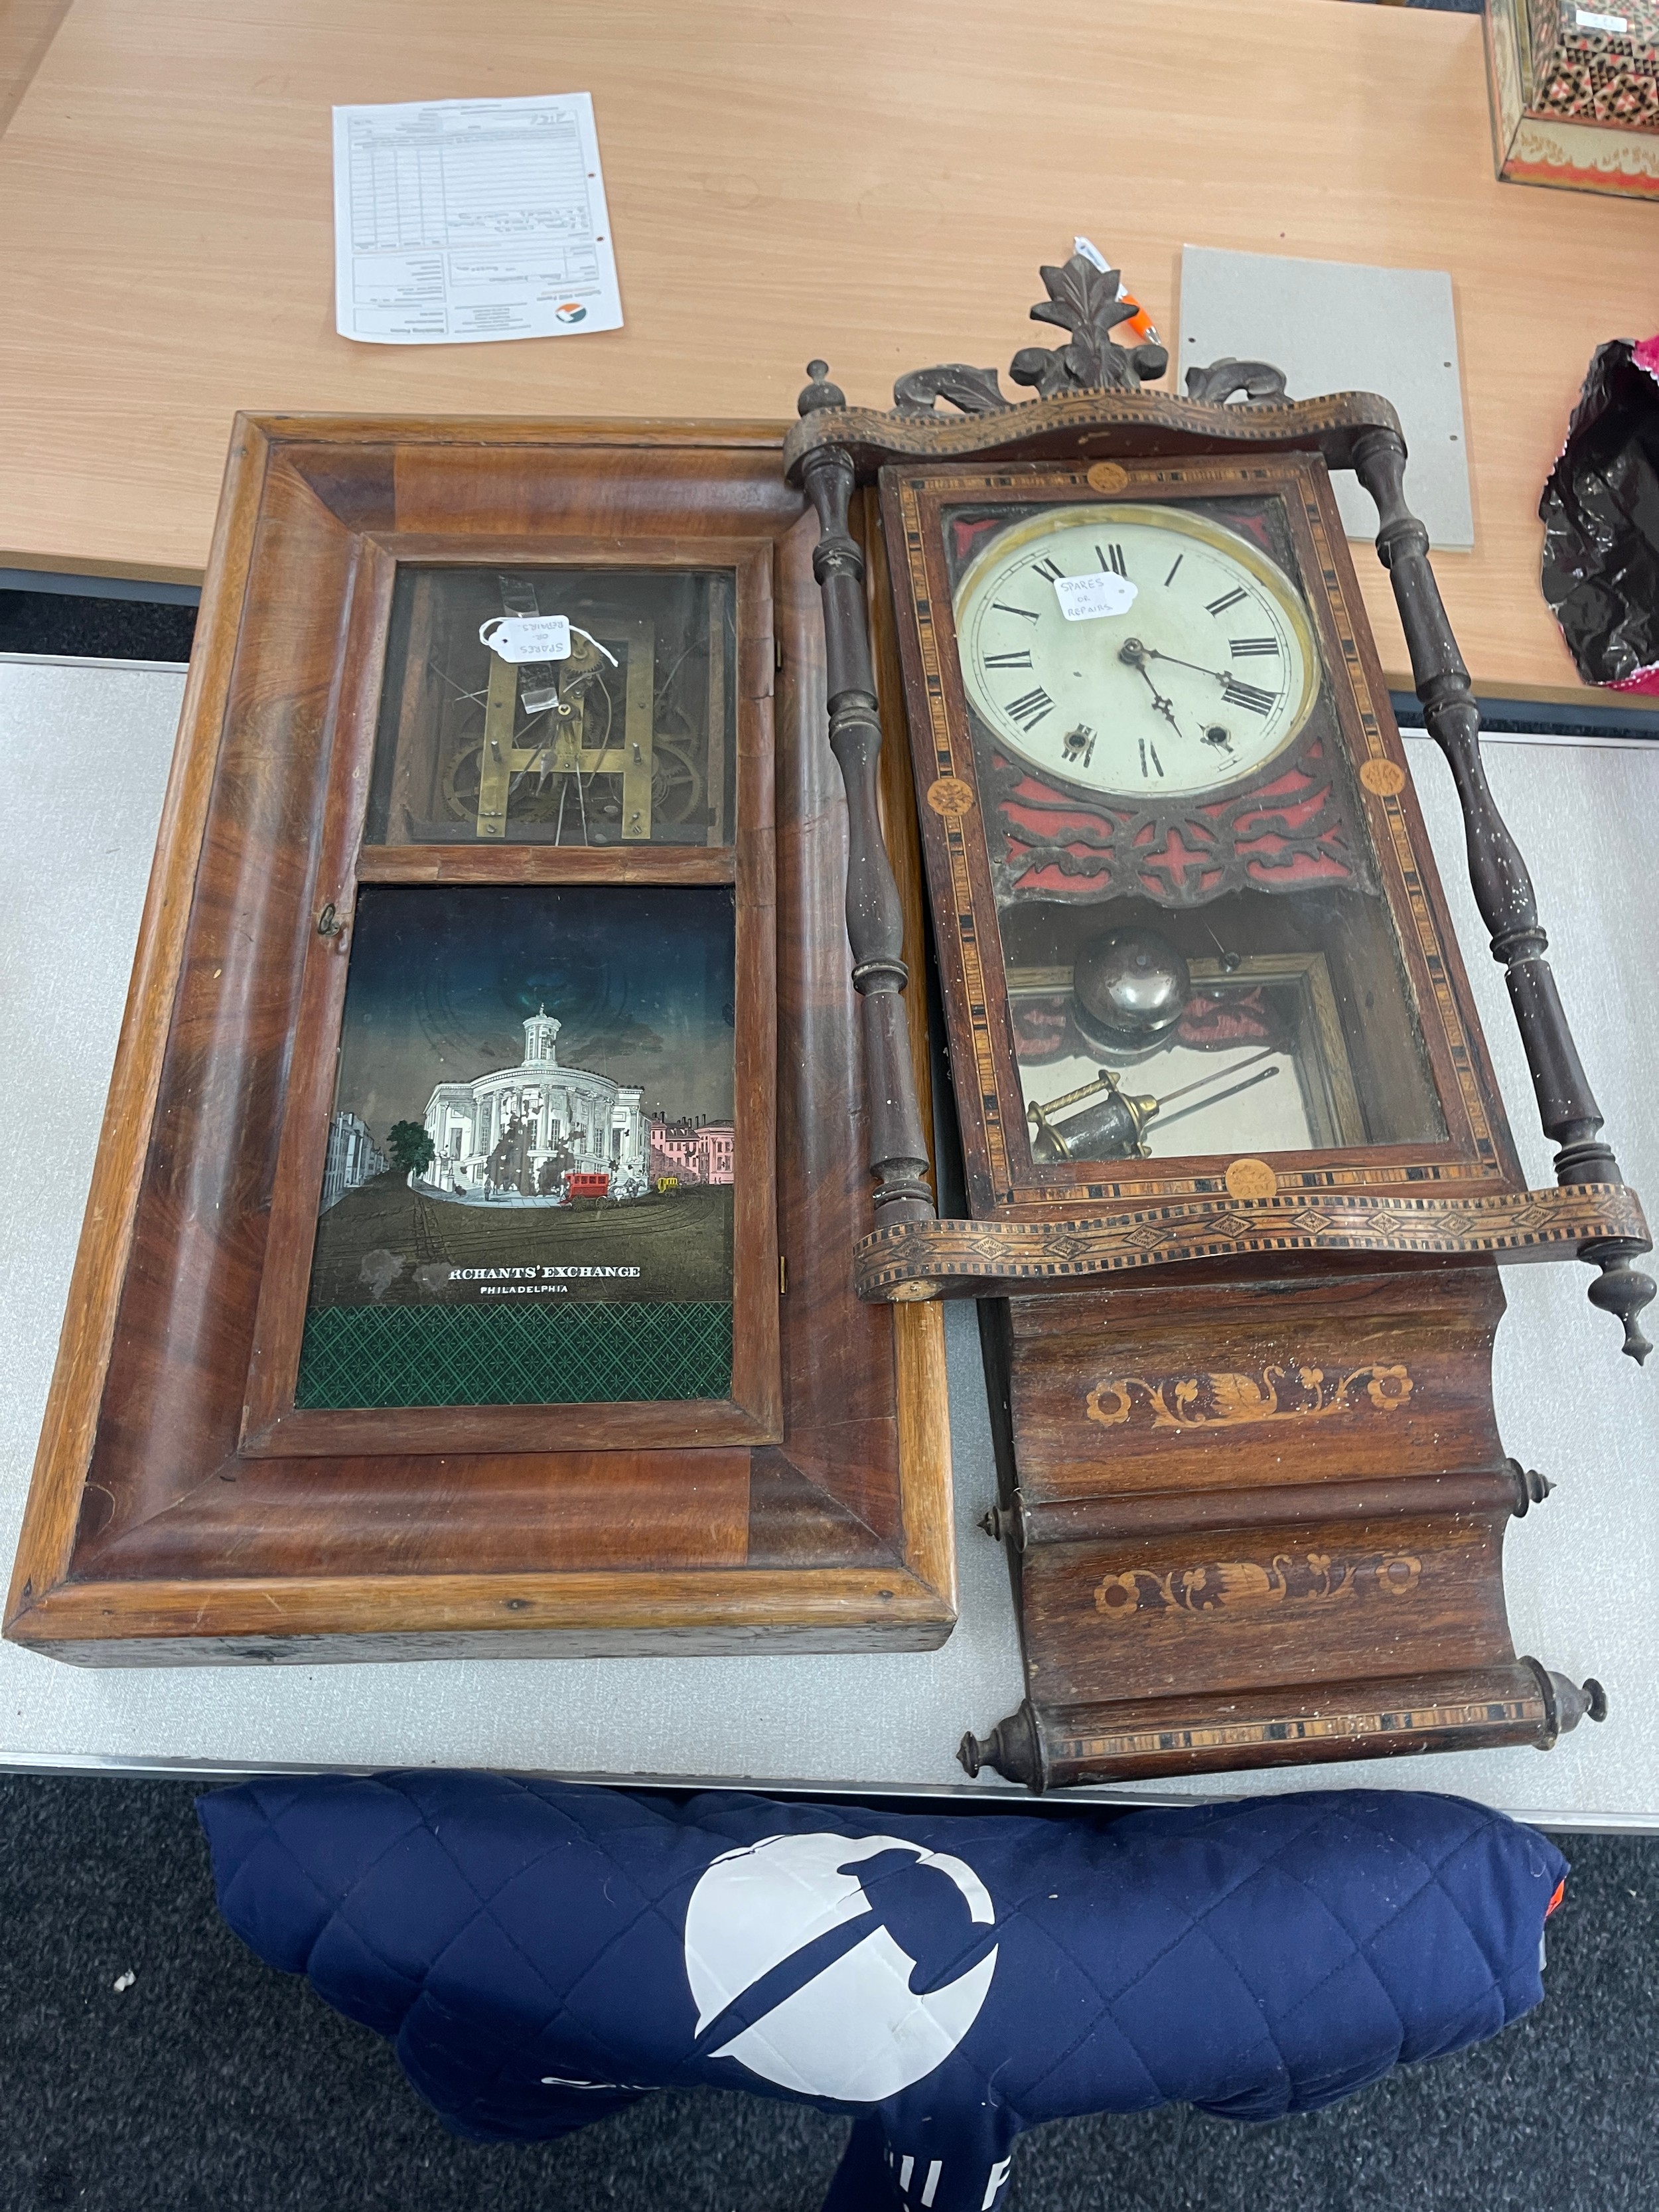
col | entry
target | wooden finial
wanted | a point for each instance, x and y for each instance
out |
(820, 392)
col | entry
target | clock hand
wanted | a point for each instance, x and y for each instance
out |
(1167, 711)
(1152, 652)
(1133, 652)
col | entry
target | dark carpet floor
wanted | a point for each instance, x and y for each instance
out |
(213, 2084)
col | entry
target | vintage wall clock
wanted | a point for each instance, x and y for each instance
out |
(1238, 1175)
(465, 1268)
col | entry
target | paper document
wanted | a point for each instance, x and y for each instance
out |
(460, 221)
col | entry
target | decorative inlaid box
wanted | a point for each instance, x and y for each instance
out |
(1597, 65)
(1572, 106)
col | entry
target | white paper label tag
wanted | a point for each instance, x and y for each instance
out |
(527, 637)
(1085, 598)
(1619, 25)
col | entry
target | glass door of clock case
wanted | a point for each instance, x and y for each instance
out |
(540, 1180)
(1168, 806)
(604, 719)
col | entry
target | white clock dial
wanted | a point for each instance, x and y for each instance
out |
(1143, 651)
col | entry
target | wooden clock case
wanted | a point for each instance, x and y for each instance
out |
(1250, 1479)
(183, 1509)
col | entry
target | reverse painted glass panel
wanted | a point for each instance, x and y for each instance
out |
(532, 1157)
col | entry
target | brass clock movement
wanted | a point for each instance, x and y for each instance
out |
(616, 737)
(1237, 1171)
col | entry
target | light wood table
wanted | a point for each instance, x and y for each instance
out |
(847, 179)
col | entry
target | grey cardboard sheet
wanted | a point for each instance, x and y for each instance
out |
(1337, 326)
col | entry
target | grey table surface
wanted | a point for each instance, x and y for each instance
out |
(85, 748)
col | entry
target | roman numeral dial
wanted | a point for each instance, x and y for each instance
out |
(1180, 649)
(1248, 695)
(1029, 709)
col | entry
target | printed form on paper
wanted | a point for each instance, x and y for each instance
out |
(460, 221)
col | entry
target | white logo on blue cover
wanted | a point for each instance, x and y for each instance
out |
(799, 1975)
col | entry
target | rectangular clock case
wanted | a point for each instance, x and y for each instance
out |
(466, 1270)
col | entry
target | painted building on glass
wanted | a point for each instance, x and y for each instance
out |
(692, 1152)
(523, 1129)
(353, 1160)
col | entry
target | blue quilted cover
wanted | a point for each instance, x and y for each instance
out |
(542, 1955)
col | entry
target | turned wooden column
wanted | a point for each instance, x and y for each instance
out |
(875, 919)
(1503, 889)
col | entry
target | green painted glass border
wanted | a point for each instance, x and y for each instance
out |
(544, 1353)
